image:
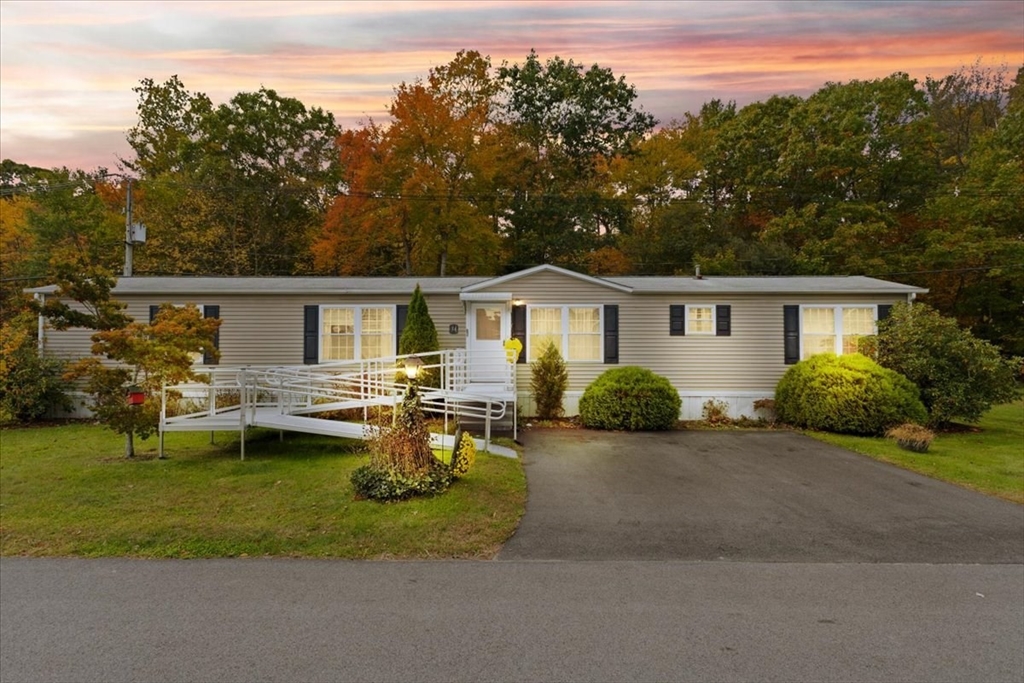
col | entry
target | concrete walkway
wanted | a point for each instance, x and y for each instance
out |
(746, 496)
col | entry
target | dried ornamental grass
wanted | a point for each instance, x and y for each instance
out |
(911, 437)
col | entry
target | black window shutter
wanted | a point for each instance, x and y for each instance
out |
(611, 333)
(311, 336)
(212, 312)
(401, 314)
(723, 320)
(519, 329)
(791, 333)
(153, 310)
(883, 311)
(677, 320)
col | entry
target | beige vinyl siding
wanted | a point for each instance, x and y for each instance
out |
(751, 358)
(550, 288)
(268, 329)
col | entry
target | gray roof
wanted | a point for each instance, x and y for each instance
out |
(842, 284)
(285, 285)
(851, 284)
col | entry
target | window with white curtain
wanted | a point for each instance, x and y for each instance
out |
(834, 329)
(700, 319)
(356, 332)
(574, 330)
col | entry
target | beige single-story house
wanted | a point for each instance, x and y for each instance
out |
(724, 338)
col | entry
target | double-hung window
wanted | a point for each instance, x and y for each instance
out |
(700, 319)
(574, 330)
(356, 332)
(834, 329)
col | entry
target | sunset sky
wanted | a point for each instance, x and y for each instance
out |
(67, 69)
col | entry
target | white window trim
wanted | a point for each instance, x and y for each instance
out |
(358, 331)
(530, 357)
(837, 313)
(686, 320)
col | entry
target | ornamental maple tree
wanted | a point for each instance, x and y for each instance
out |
(125, 352)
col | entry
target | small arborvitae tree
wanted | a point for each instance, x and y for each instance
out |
(549, 379)
(420, 335)
(959, 375)
(144, 355)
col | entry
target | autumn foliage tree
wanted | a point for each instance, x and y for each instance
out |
(127, 353)
(418, 192)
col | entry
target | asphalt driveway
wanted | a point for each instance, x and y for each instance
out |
(746, 496)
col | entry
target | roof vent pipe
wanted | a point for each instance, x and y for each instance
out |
(697, 275)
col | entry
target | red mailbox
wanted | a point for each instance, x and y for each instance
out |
(136, 396)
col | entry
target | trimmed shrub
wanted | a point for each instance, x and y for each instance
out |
(959, 375)
(911, 437)
(549, 379)
(630, 398)
(849, 394)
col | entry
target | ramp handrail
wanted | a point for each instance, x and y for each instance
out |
(309, 389)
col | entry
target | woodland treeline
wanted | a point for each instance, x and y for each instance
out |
(484, 169)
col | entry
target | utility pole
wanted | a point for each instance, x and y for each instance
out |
(129, 243)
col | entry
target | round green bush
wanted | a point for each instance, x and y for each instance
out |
(848, 394)
(630, 398)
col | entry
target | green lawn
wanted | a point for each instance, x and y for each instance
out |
(990, 460)
(64, 490)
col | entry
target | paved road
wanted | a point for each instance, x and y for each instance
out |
(294, 620)
(746, 496)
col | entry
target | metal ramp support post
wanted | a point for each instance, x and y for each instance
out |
(242, 400)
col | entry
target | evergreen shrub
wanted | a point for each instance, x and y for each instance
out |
(420, 336)
(630, 398)
(549, 379)
(848, 394)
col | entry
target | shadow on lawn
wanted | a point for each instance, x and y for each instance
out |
(263, 444)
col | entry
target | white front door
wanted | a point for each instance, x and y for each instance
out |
(488, 329)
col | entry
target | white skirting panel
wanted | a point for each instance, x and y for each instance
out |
(738, 403)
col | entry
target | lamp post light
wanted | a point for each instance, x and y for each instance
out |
(413, 365)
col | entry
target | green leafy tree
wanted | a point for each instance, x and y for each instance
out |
(959, 375)
(127, 353)
(236, 189)
(549, 378)
(563, 124)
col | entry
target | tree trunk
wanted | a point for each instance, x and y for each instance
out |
(129, 445)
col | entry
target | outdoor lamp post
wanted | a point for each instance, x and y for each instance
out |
(413, 364)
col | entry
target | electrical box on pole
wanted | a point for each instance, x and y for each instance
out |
(134, 233)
